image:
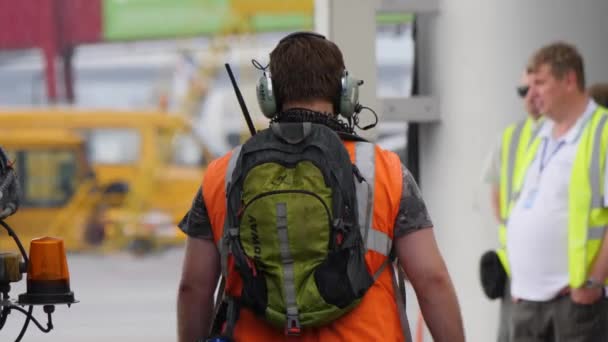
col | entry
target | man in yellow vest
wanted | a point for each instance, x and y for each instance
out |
(557, 249)
(504, 164)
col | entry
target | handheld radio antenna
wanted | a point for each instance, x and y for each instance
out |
(239, 97)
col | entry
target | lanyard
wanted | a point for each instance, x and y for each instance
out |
(543, 163)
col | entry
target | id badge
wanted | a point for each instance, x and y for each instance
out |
(530, 198)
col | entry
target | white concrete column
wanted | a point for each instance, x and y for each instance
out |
(476, 52)
(322, 19)
(351, 24)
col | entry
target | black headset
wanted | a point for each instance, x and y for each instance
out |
(347, 104)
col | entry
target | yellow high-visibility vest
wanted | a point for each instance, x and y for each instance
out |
(515, 145)
(587, 217)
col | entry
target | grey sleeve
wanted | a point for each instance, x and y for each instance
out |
(412, 214)
(196, 222)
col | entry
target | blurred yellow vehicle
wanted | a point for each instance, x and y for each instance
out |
(58, 191)
(148, 166)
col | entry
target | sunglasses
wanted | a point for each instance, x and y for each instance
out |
(522, 91)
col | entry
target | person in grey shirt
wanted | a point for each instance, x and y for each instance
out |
(513, 140)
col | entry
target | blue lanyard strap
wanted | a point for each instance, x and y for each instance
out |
(543, 163)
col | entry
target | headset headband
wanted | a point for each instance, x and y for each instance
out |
(302, 34)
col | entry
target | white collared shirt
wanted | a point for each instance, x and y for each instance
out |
(537, 229)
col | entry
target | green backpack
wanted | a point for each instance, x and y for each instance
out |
(292, 227)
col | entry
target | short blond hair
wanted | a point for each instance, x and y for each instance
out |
(562, 58)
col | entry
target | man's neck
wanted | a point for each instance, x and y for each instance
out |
(570, 113)
(535, 116)
(316, 106)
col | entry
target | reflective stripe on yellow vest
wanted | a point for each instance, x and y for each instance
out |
(587, 217)
(515, 142)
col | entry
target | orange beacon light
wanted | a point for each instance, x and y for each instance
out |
(48, 278)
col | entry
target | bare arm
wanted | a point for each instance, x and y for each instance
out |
(491, 176)
(496, 201)
(200, 274)
(420, 258)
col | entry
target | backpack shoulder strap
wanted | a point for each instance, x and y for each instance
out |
(224, 239)
(399, 287)
(222, 244)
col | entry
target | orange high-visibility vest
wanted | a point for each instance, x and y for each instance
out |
(376, 318)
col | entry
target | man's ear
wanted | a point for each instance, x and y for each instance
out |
(571, 80)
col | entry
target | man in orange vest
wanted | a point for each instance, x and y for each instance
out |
(310, 84)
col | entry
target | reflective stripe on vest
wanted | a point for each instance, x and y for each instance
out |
(595, 171)
(596, 177)
(511, 141)
(517, 141)
(365, 160)
(531, 146)
(587, 217)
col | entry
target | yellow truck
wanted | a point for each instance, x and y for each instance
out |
(147, 167)
(58, 190)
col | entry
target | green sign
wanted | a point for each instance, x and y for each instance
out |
(153, 19)
(157, 19)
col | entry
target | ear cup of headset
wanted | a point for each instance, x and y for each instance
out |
(265, 95)
(348, 103)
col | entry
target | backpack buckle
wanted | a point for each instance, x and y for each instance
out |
(338, 224)
(340, 229)
(233, 233)
(293, 326)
